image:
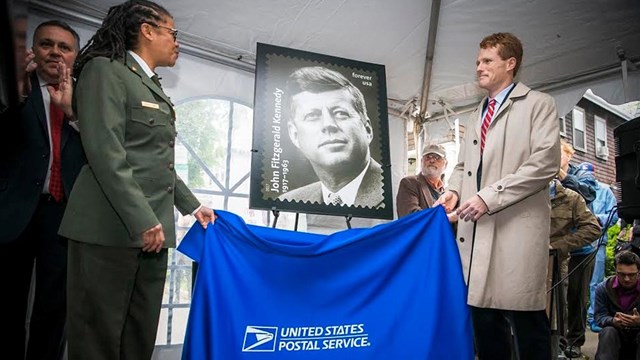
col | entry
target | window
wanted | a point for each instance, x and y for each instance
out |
(563, 127)
(602, 151)
(213, 157)
(212, 135)
(579, 130)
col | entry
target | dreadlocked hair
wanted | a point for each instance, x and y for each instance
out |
(119, 31)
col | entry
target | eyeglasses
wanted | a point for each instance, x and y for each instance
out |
(434, 157)
(627, 275)
(172, 31)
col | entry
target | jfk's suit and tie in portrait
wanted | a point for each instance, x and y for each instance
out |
(328, 123)
(120, 216)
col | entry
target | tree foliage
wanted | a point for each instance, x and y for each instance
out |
(203, 125)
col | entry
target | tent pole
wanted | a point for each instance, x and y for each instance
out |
(431, 44)
(625, 81)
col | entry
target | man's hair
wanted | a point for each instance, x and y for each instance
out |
(566, 148)
(627, 257)
(317, 79)
(62, 25)
(119, 31)
(508, 46)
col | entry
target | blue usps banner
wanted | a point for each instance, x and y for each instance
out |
(394, 291)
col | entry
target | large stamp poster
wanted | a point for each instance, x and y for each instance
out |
(320, 135)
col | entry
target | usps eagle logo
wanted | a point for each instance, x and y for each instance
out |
(260, 339)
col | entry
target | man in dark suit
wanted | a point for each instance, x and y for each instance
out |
(120, 216)
(330, 126)
(40, 159)
(420, 191)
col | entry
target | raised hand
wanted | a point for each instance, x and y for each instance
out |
(62, 96)
(24, 86)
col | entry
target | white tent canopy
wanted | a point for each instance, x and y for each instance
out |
(570, 46)
(565, 41)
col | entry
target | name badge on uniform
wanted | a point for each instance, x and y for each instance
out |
(150, 105)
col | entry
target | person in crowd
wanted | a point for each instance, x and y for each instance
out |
(573, 177)
(328, 123)
(629, 236)
(120, 215)
(581, 262)
(573, 225)
(509, 155)
(417, 192)
(604, 209)
(616, 310)
(40, 158)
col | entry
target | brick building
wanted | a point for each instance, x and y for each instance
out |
(589, 128)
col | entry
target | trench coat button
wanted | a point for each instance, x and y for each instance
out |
(171, 143)
(499, 187)
(469, 173)
(170, 189)
(475, 142)
(461, 239)
(151, 121)
(170, 166)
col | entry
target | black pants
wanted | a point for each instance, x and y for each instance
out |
(40, 243)
(493, 334)
(613, 342)
(577, 296)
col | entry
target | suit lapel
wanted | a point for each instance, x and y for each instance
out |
(37, 104)
(64, 134)
(316, 194)
(478, 117)
(503, 107)
(370, 191)
(37, 107)
(517, 91)
(506, 104)
(424, 189)
(133, 65)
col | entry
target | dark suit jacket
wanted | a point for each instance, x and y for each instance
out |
(414, 194)
(24, 161)
(129, 185)
(369, 193)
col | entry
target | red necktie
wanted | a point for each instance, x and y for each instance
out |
(486, 122)
(56, 117)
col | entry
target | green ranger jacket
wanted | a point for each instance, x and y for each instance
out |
(127, 127)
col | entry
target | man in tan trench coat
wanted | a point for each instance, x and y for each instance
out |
(510, 153)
